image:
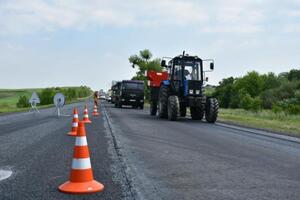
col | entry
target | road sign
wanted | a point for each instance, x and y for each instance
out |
(34, 99)
(59, 102)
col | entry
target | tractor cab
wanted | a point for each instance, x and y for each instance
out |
(186, 75)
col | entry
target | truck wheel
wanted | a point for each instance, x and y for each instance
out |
(163, 101)
(197, 113)
(119, 105)
(173, 107)
(153, 108)
(211, 110)
(182, 111)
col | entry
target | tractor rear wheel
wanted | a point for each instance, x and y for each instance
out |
(211, 110)
(153, 108)
(197, 113)
(173, 107)
(163, 101)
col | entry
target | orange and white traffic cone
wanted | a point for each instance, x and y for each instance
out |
(75, 121)
(86, 116)
(95, 112)
(81, 178)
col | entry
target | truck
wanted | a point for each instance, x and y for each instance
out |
(114, 90)
(181, 86)
(130, 93)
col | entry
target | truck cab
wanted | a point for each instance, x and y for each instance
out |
(130, 93)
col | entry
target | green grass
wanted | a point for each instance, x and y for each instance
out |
(264, 119)
(10, 97)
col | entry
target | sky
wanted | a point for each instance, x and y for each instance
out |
(46, 43)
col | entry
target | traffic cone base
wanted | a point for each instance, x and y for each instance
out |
(81, 188)
(72, 133)
(87, 121)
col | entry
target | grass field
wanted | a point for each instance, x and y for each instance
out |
(10, 97)
(264, 119)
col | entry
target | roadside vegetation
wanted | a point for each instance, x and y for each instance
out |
(264, 119)
(254, 92)
(266, 101)
(13, 100)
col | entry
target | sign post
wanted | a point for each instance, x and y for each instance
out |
(34, 100)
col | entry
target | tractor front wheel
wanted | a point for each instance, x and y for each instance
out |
(211, 110)
(173, 108)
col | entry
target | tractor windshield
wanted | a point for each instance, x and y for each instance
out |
(187, 71)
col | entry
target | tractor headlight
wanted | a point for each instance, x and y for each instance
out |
(191, 91)
(197, 91)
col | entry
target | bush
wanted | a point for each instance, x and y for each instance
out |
(277, 109)
(46, 96)
(71, 93)
(293, 109)
(23, 102)
(256, 104)
(249, 103)
(246, 102)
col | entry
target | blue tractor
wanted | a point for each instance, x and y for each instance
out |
(183, 88)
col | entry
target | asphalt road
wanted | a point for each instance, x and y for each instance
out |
(138, 156)
(196, 160)
(38, 151)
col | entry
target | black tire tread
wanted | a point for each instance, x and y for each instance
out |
(163, 100)
(173, 107)
(211, 110)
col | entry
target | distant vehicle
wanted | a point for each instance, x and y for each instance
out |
(130, 92)
(102, 97)
(114, 90)
(108, 99)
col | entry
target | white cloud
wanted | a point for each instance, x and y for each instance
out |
(232, 16)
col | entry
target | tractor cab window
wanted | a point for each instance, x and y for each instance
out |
(188, 70)
(191, 72)
(177, 72)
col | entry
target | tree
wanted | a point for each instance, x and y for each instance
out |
(252, 83)
(143, 62)
(224, 91)
(294, 74)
